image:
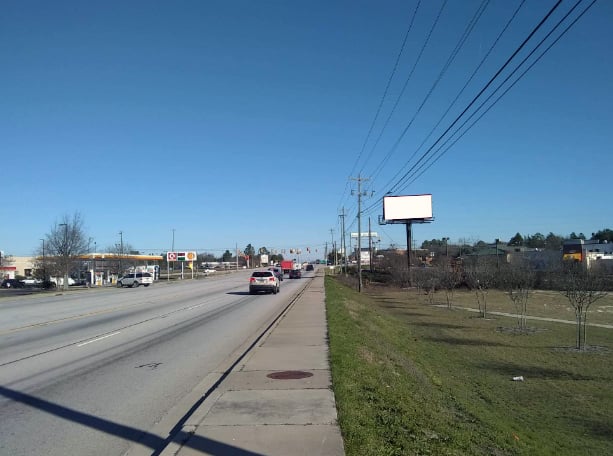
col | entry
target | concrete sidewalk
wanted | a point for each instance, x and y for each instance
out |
(278, 400)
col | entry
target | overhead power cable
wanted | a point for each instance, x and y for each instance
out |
(408, 174)
(474, 100)
(416, 174)
(406, 82)
(469, 28)
(468, 81)
(384, 96)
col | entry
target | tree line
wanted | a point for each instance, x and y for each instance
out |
(537, 240)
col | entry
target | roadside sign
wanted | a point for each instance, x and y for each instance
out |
(181, 256)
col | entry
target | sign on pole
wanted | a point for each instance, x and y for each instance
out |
(181, 256)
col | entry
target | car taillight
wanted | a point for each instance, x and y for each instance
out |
(251, 279)
(271, 279)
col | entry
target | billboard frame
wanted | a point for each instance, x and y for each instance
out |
(408, 207)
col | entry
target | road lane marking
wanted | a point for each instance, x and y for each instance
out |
(97, 339)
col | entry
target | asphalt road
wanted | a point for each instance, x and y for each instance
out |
(92, 372)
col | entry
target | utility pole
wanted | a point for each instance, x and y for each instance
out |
(369, 245)
(326, 253)
(333, 246)
(359, 181)
(343, 246)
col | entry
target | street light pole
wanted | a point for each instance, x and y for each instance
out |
(172, 250)
(65, 252)
(44, 264)
(94, 255)
(120, 272)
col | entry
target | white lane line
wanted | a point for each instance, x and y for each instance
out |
(97, 339)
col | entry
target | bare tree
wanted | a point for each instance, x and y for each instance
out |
(582, 288)
(480, 274)
(518, 280)
(450, 278)
(65, 242)
(431, 282)
(120, 252)
(396, 265)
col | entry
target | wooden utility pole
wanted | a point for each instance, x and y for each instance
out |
(360, 194)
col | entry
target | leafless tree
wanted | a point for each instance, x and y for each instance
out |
(582, 288)
(64, 243)
(450, 278)
(396, 265)
(432, 283)
(120, 252)
(518, 280)
(419, 282)
(480, 274)
(426, 280)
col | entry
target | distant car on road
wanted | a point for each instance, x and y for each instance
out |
(310, 267)
(135, 279)
(12, 283)
(278, 272)
(295, 274)
(264, 281)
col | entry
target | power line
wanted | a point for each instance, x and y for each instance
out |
(498, 88)
(385, 91)
(407, 174)
(475, 71)
(473, 101)
(407, 80)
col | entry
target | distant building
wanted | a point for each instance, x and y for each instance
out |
(588, 252)
(17, 266)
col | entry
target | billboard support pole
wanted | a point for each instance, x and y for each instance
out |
(409, 240)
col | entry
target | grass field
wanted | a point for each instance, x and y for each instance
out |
(411, 378)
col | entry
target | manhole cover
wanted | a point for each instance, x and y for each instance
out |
(289, 375)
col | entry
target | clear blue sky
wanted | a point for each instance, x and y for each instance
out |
(237, 122)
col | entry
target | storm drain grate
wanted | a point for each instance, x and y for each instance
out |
(289, 375)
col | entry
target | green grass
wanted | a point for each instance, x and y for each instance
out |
(416, 379)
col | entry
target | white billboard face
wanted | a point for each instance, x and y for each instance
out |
(407, 207)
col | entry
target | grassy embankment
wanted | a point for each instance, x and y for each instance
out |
(411, 378)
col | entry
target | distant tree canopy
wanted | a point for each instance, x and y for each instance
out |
(533, 241)
(603, 235)
(249, 251)
(517, 240)
(433, 243)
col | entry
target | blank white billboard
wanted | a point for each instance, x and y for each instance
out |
(409, 207)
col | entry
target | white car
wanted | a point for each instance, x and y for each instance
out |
(135, 279)
(264, 281)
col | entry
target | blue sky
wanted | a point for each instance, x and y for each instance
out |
(237, 122)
